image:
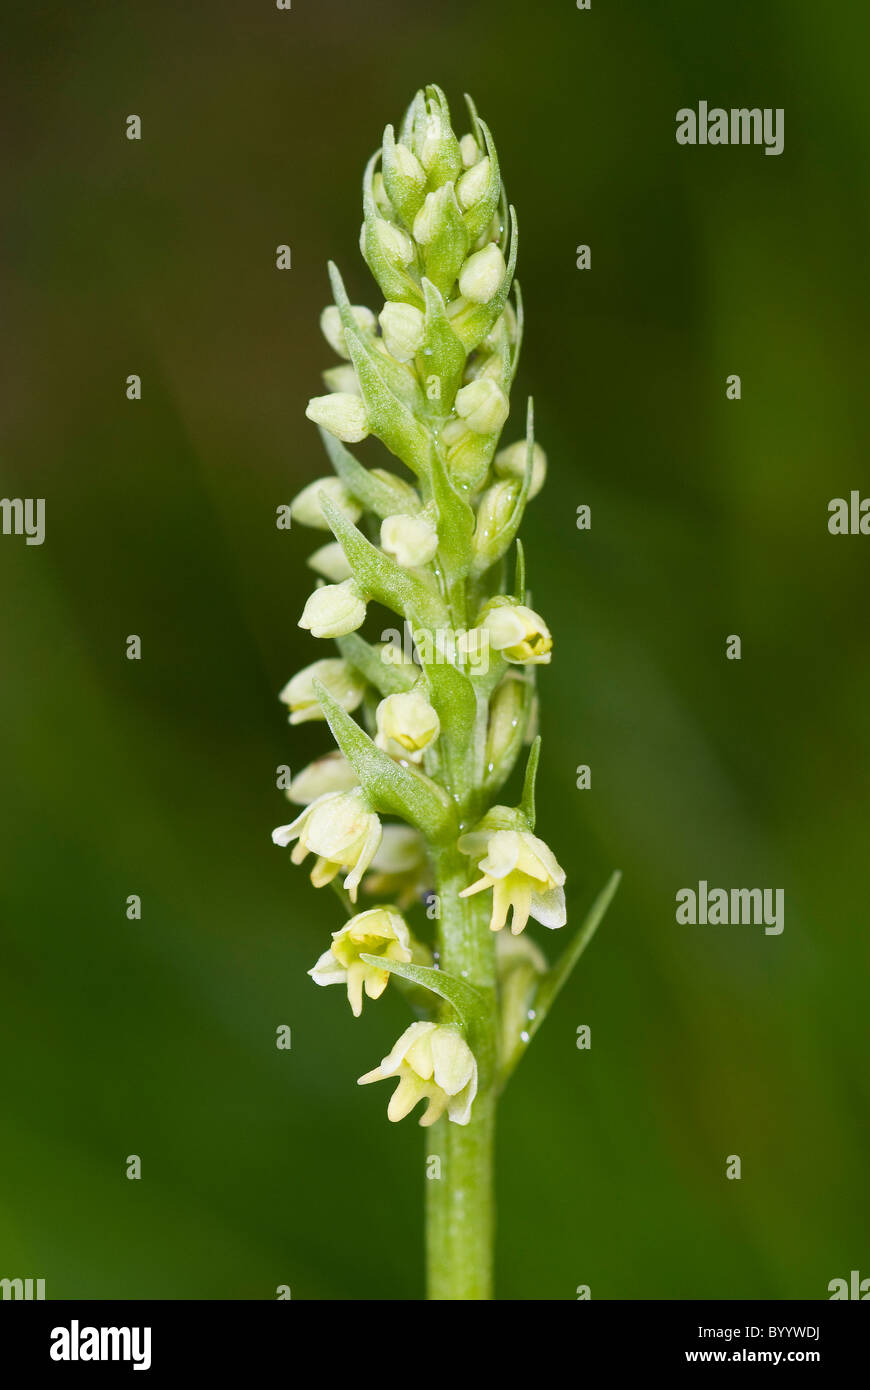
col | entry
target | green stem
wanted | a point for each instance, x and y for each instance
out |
(460, 1201)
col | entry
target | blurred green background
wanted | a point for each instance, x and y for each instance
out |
(156, 1038)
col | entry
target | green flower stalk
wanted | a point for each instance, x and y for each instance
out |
(445, 713)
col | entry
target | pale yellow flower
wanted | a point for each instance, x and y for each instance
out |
(524, 876)
(433, 1062)
(520, 634)
(377, 932)
(407, 718)
(342, 830)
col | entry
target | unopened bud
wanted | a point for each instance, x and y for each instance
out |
(503, 332)
(483, 406)
(468, 454)
(408, 165)
(436, 145)
(510, 462)
(506, 710)
(405, 495)
(403, 327)
(470, 151)
(430, 139)
(521, 965)
(394, 244)
(305, 507)
(330, 562)
(493, 514)
(331, 328)
(331, 773)
(342, 378)
(382, 197)
(482, 275)
(473, 184)
(334, 610)
(411, 540)
(343, 682)
(404, 177)
(434, 213)
(342, 414)
(492, 366)
(409, 720)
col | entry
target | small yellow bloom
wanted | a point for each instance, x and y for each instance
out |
(432, 1062)
(520, 634)
(377, 932)
(522, 872)
(408, 719)
(342, 830)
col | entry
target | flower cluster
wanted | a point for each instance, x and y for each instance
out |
(427, 372)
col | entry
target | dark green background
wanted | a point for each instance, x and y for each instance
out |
(709, 518)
